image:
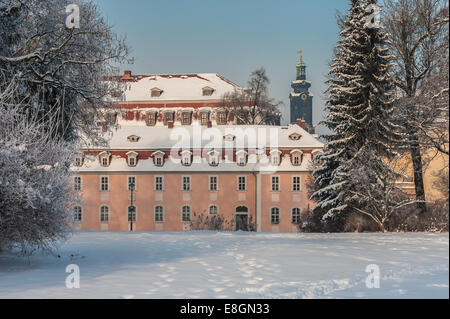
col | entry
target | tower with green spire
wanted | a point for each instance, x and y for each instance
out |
(301, 98)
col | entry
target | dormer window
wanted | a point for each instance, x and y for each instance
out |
(221, 117)
(168, 117)
(78, 160)
(207, 91)
(213, 157)
(105, 158)
(295, 136)
(186, 157)
(275, 157)
(151, 119)
(204, 118)
(241, 157)
(132, 158)
(158, 158)
(133, 138)
(315, 153)
(186, 118)
(156, 92)
(229, 137)
(296, 157)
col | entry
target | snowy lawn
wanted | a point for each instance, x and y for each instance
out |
(234, 265)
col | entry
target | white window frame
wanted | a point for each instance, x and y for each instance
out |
(77, 186)
(80, 214)
(216, 183)
(239, 183)
(105, 162)
(135, 214)
(155, 213)
(217, 209)
(295, 183)
(276, 183)
(183, 183)
(135, 183)
(299, 215)
(271, 215)
(107, 213)
(183, 213)
(107, 183)
(158, 183)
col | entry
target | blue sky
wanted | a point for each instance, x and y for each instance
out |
(231, 38)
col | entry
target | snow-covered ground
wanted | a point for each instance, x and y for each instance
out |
(234, 265)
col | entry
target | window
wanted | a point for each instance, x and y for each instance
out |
(133, 138)
(186, 158)
(186, 118)
(241, 160)
(274, 215)
(151, 119)
(242, 183)
(275, 183)
(204, 117)
(296, 156)
(77, 183)
(275, 160)
(155, 92)
(77, 214)
(221, 118)
(131, 213)
(132, 161)
(159, 214)
(213, 210)
(104, 183)
(296, 160)
(296, 186)
(296, 215)
(168, 117)
(104, 213)
(207, 91)
(159, 183)
(186, 213)
(186, 181)
(213, 183)
(78, 161)
(159, 160)
(131, 180)
(104, 161)
(241, 157)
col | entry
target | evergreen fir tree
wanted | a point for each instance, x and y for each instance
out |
(359, 105)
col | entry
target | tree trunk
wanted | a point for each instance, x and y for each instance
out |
(416, 158)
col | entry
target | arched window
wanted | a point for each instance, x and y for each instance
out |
(131, 213)
(296, 215)
(275, 215)
(241, 209)
(186, 213)
(77, 213)
(104, 213)
(213, 210)
(159, 213)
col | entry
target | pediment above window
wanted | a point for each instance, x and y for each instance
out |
(295, 136)
(133, 138)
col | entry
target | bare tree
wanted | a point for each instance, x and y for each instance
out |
(58, 66)
(417, 30)
(252, 105)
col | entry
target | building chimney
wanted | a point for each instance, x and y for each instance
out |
(170, 124)
(302, 123)
(127, 74)
(209, 124)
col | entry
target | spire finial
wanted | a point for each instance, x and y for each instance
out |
(301, 57)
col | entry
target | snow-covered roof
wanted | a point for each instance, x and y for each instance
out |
(173, 87)
(162, 137)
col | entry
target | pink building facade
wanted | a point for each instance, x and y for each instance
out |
(158, 171)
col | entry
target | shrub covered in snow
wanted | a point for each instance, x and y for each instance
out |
(35, 193)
